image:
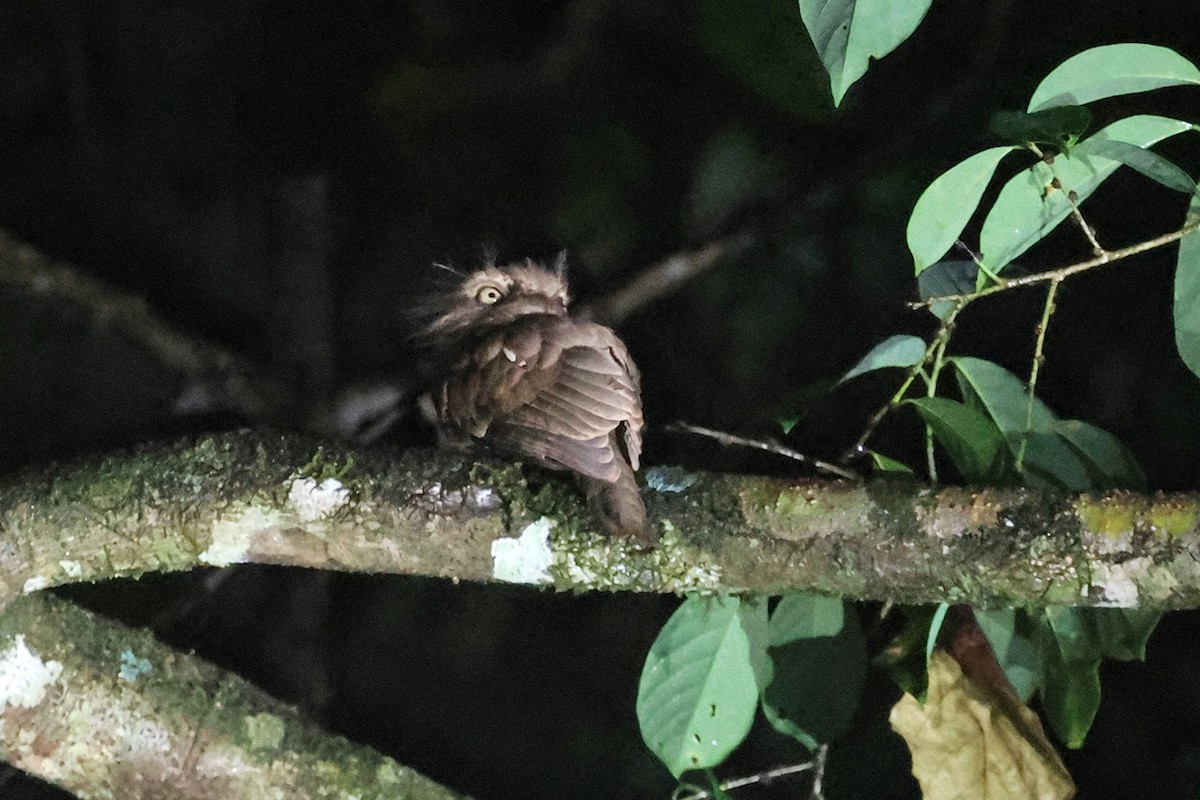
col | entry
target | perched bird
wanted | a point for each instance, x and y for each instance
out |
(504, 365)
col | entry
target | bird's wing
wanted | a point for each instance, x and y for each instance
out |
(557, 390)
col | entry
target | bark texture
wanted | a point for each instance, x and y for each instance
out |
(281, 499)
(107, 712)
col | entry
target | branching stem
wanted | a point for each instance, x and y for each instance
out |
(1108, 256)
(933, 352)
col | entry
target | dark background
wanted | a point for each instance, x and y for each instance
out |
(159, 146)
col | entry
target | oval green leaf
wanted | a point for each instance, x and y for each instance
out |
(952, 276)
(945, 207)
(1002, 396)
(884, 463)
(849, 33)
(1029, 207)
(802, 616)
(1071, 698)
(1112, 70)
(895, 351)
(817, 685)
(698, 693)
(1060, 126)
(1016, 652)
(972, 441)
(1147, 162)
(1125, 631)
(1187, 294)
(1075, 632)
(1109, 462)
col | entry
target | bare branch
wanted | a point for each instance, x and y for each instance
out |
(662, 279)
(767, 776)
(214, 378)
(767, 445)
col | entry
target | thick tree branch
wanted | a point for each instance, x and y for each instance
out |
(105, 711)
(262, 498)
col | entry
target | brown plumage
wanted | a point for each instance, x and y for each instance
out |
(507, 367)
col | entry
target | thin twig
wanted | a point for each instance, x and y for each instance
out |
(661, 279)
(818, 763)
(818, 792)
(1087, 229)
(1063, 272)
(1038, 359)
(935, 371)
(935, 346)
(766, 445)
(1057, 184)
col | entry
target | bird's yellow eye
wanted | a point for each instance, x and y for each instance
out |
(489, 295)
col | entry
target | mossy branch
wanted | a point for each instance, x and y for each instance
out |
(276, 499)
(105, 711)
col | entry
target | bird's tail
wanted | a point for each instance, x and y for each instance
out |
(619, 506)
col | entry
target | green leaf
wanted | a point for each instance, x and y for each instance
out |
(1124, 632)
(1070, 698)
(952, 276)
(1111, 70)
(848, 33)
(1187, 294)
(1029, 207)
(1002, 396)
(1147, 162)
(803, 616)
(1109, 462)
(768, 51)
(1075, 632)
(817, 685)
(697, 695)
(935, 628)
(1060, 126)
(971, 439)
(945, 207)
(894, 351)
(885, 464)
(1015, 650)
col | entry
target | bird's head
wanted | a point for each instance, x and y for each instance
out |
(491, 297)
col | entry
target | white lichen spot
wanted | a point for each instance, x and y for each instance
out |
(232, 536)
(265, 731)
(578, 574)
(669, 479)
(73, 568)
(312, 501)
(485, 498)
(699, 577)
(133, 667)
(389, 773)
(35, 584)
(1118, 588)
(527, 558)
(24, 677)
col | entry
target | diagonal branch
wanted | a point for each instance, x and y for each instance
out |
(663, 278)
(214, 379)
(105, 711)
